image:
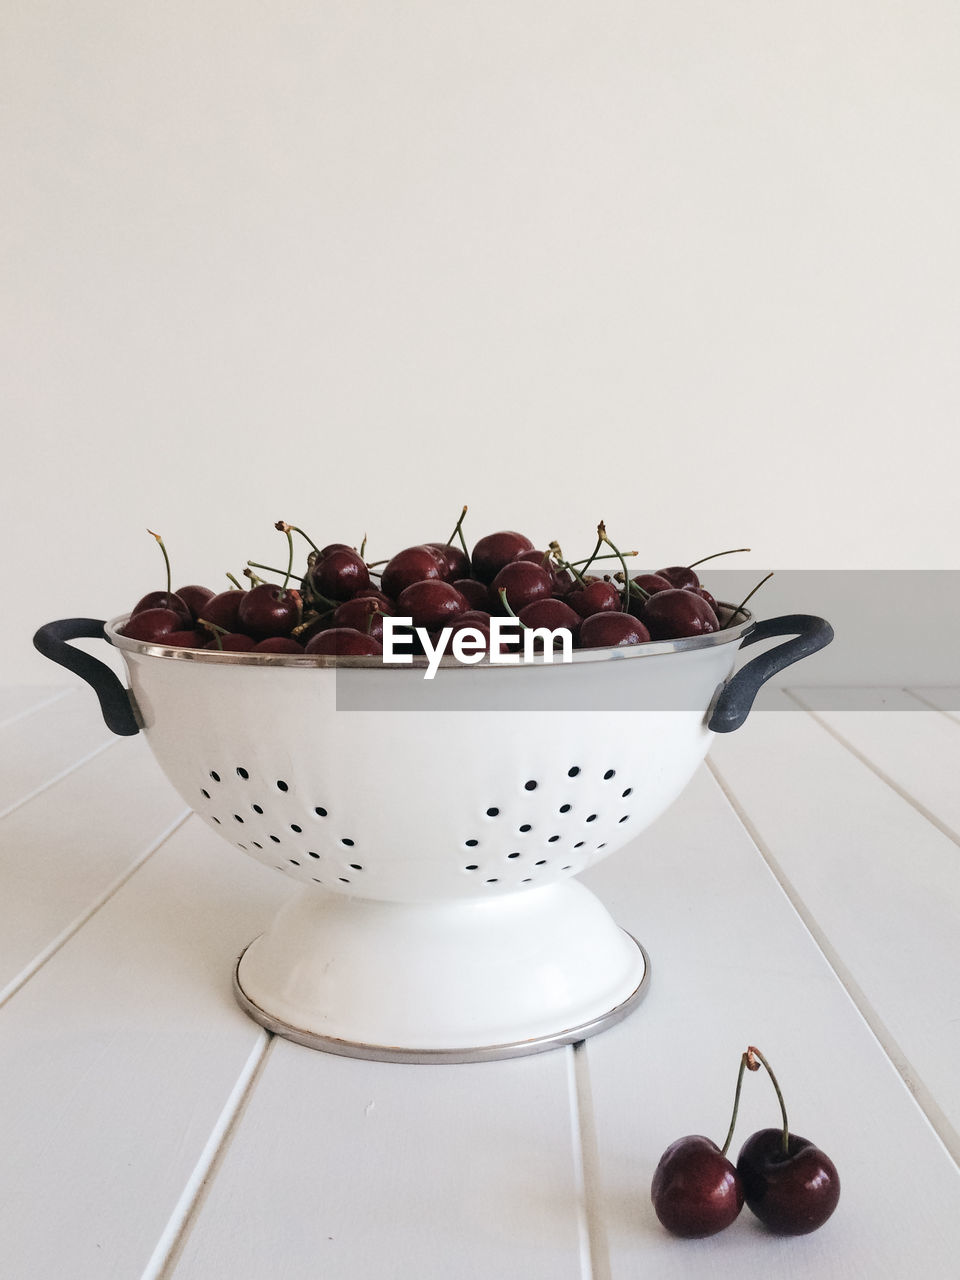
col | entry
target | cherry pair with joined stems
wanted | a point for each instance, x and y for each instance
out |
(787, 1182)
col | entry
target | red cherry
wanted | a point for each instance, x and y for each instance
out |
(495, 550)
(332, 546)
(343, 640)
(704, 594)
(595, 597)
(339, 575)
(673, 614)
(187, 639)
(363, 613)
(152, 625)
(431, 604)
(195, 597)
(611, 630)
(791, 1193)
(453, 559)
(652, 582)
(678, 575)
(551, 613)
(278, 644)
(523, 582)
(223, 610)
(269, 610)
(233, 642)
(475, 593)
(374, 593)
(696, 1191)
(163, 600)
(412, 564)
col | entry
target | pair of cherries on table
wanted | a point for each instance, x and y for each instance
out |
(788, 1183)
(338, 609)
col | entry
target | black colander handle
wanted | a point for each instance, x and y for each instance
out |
(52, 640)
(736, 696)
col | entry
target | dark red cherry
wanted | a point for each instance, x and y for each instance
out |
(223, 610)
(678, 575)
(791, 1193)
(453, 559)
(551, 613)
(412, 564)
(233, 642)
(269, 610)
(163, 600)
(595, 597)
(495, 550)
(696, 1191)
(330, 547)
(431, 604)
(673, 614)
(343, 640)
(704, 594)
(652, 582)
(278, 644)
(374, 593)
(339, 575)
(363, 613)
(475, 593)
(523, 582)
(611, 630)
(152, 625)
(194, 597)
(187, 639)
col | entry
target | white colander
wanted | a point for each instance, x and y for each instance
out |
(436, 828)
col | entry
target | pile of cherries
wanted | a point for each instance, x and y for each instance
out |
(786, 1181)
(336, 605)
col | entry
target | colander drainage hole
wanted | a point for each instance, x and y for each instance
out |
(294, 827)
(573, 771)
(611, 773)
(281, 785)
(513, 855)
(526, 827)
(256, 808)
(348, 842)
(492, 880)
(541, 863)
(530, 786)
(216, 820)
(553, 840)
(237, 817)
(578, 845)
(628, 792)
(205, 792)
(214, 775)
(592, 817)
(565, 808)
(256, 844)
(343, 879)
(275, 839)
(311, 854)
(471, 867)
(242, 773)
(294, 862)
(471, 844)
(320, 812)
(493, 813)
(625, 817)
(355, 866)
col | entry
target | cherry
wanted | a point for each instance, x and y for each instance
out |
(431, 604)
(651, 583)
(453, 559)
(374, 593)
(793, 1192)
(679, 575)
(495, 550)
(788, 1183)
(151, 625)
(278, 644)
(551, 613)
(343, 640)
(186, 639)
(339, 574)
(163, 600)
(523, 583)
(475, 593)
(696, 1191)
(269, 610)
(362, 613)
(223, 610)
(194, 597)
(595, 597)
(412, 564)
(611, 630)
(232, 642)
(331, 547)
(672, 614)
(704, 594)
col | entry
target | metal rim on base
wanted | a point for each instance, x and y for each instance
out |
(483, 1053)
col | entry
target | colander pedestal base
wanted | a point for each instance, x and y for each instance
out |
(449, 981)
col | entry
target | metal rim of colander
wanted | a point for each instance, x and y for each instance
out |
(649, 649)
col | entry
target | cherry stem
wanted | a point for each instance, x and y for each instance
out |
(166, 559)
(458, 533)
(703, 559)
(502, 593)
(292, 528)
(752, 1057)
(642, 592)
(363, 547)
(217, 631)
(739, 608)
(587, 563)
(602, 535)
(287, 530)
(257, 581)
(269, 567)
(557, 554)
(235, 582)
(607, 555)
(736, 1105)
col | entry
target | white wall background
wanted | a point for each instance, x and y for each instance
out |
(688, 266)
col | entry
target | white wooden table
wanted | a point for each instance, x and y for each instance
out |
(802, 895)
